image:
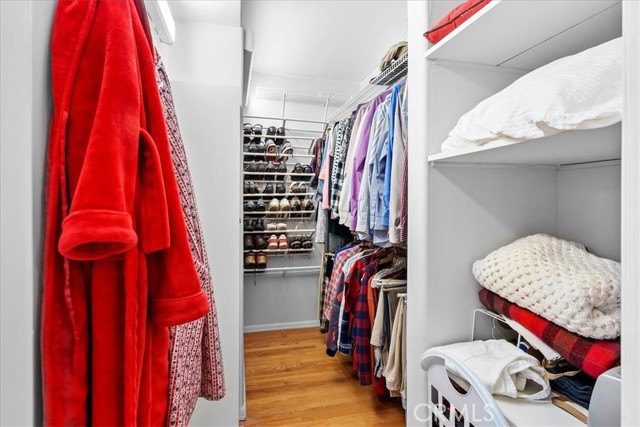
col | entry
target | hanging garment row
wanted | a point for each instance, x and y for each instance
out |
(362, 172)
(362, 309)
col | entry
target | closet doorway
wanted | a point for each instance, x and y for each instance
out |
(306, 66)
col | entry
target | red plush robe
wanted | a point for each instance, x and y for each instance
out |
(118, 269)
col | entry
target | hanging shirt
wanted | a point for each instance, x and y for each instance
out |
(378, 134)
(404, 199)
(337, 171)
(397, 170)
(389, 159)
(344, 204)
(360, 156)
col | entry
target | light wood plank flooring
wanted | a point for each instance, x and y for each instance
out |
(292, 382)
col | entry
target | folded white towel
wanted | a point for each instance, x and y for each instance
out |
(502, 368)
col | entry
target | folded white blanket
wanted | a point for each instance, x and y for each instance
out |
(501, 367)
(558, 280)
(582, 91)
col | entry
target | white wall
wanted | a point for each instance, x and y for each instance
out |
(205, 68)
(279, 301)
(589, 207)
(25, 113)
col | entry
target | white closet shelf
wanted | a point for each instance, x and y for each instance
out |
(572, 147)
(246, 153)
(522, 34)
(286, 119)
(304, 269)
(308, 175)
(522, 412)
(277, 195)
(279, 251)
(275, 213)
(265, 136)
(305, 231)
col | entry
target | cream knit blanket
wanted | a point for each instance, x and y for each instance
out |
(558, 280)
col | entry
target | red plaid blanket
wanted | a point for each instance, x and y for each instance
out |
(592, 356)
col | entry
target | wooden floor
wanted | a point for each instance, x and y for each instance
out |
(292, 382)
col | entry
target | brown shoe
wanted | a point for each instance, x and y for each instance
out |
(261, 260)
(248, 241)
(260, 242)
(250, 261)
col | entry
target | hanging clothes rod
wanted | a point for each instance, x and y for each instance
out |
(393, 74)
(286, 119)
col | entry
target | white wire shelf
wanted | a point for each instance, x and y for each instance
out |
(305, 231)
(301, 269)
(394, 73)
(247, 153)
(307, 175)
(280, 251)
(265, 136)
(274, 181)
(276, 195)
(286, 119)
(276, 213)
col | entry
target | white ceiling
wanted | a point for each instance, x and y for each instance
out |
(323, 39)
(219, 12)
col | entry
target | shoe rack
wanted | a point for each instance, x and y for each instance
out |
(279, 206)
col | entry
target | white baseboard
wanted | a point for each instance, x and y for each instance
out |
(279, 326)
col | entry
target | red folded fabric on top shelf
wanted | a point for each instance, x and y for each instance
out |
(592, 356)
(454, 19)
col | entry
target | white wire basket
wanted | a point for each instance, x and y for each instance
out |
(457, 400)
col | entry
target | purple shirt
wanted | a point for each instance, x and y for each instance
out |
(361, 154)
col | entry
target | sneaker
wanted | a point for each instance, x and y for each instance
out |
(296, 243)
(283, 242)
(281, 226)
(271, 227)
(284, 205)
(273, 242)
(307, 243)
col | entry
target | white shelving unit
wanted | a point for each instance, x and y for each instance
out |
(467, 203)
(300, 222)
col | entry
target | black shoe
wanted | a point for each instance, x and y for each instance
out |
(281, 189)
(249, 206)
(271, 168)
(268, 189)
(258, 224)
(249, 225)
